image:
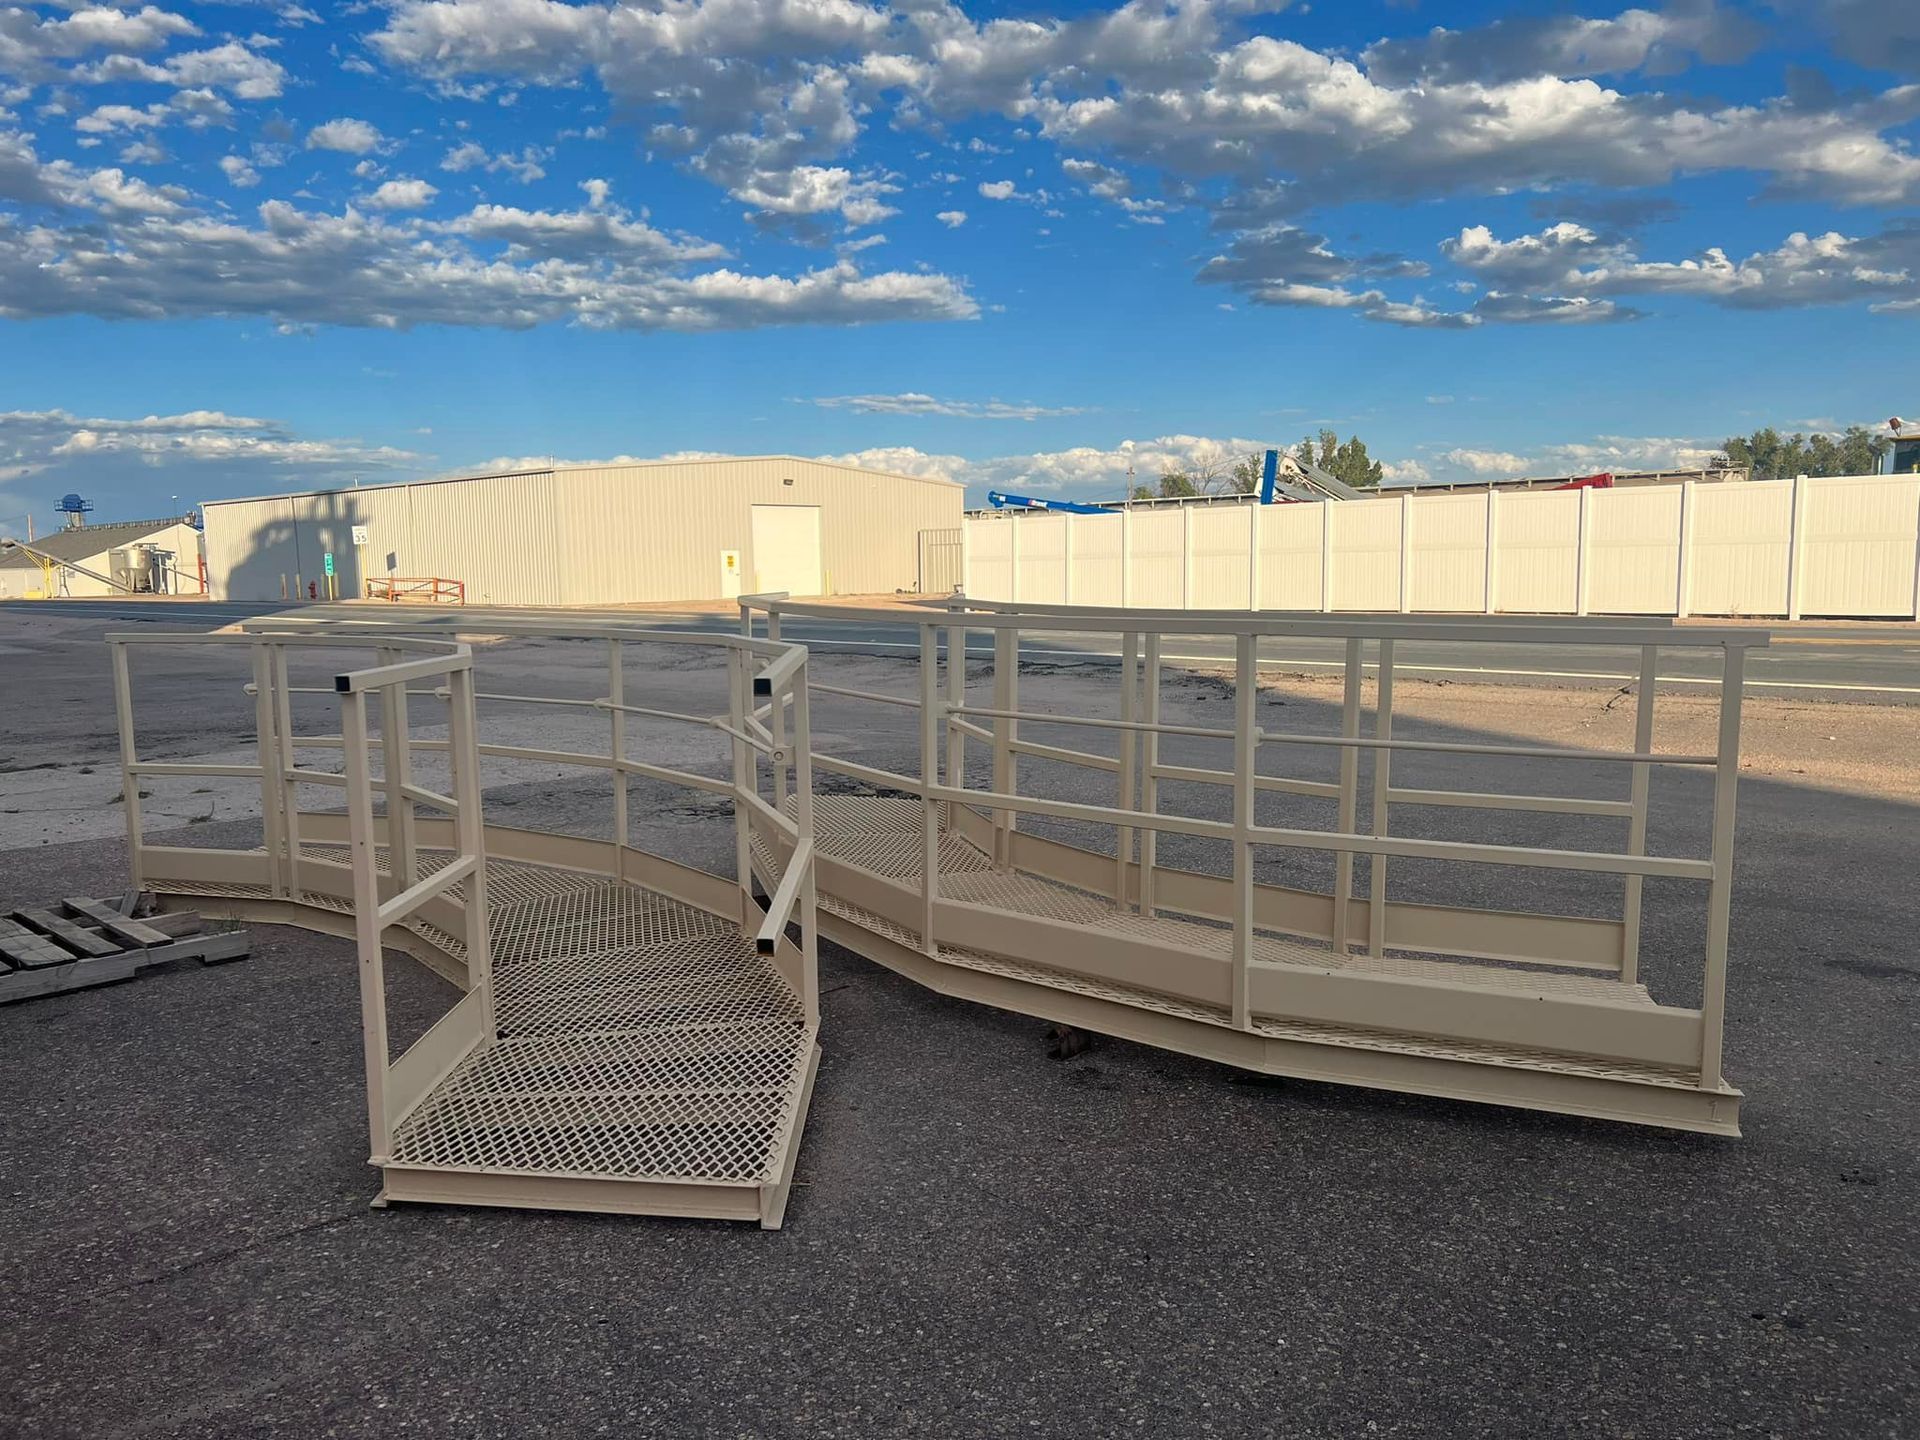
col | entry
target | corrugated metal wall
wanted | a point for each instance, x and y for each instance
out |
(1842, 546)
(581, 536)
(183, 541)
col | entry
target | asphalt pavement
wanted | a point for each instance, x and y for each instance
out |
(1865, 661)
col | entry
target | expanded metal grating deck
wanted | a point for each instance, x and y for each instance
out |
(639, 1038)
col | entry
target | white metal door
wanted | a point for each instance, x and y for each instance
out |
(786, 549)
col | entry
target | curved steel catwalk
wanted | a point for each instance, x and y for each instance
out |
(639, 1034)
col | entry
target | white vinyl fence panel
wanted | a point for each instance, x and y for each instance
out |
(1844, 546)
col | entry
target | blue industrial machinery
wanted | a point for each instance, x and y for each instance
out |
(1000, 500)
(74, 508)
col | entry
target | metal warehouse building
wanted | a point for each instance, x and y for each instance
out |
(592, 534)
(158, 556)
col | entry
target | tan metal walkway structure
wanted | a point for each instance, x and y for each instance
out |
(636, 1034)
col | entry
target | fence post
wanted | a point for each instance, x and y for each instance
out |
(1013, 561)
(1066, 559)
(1326, 556)
(1126, 556)
(1637, 822)
(1492, 569)
(1349, 794)
(1406, 554)
(1246, 740)
(1797, 546)
(1726, 775)
(1683, 596)
(1582, 565)
(1186, 557)
(929, 779)
(1382, 781)
(1254, 513)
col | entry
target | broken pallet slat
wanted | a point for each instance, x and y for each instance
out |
(82, 942)
(127, 932)
(26, 950)
(123, 965)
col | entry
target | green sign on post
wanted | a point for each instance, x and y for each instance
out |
(329, 562)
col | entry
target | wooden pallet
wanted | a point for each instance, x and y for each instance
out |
(78, 943)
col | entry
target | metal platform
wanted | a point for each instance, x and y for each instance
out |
(882, 836)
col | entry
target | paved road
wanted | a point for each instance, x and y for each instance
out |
(1842, 662)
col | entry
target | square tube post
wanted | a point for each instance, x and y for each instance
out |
(129, 762)
(398, 758)
(366, 922)
(1726, 777)
(803, 814)
(1246, 740)
(1126, 776)
(740, 703)
(1349, 794)
(289, 762)
(617, 740)
(1150, 762)
(1382, 782)
(1006, 696)
(273, 828)
(777, 726)
(956, 699)
(1637, 822)
(463, 759)
(930, 718)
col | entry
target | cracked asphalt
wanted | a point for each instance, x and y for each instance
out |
(982, 1241)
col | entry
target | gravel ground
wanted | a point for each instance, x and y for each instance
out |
(982, 1241)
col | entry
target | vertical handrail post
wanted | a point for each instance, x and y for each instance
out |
(463, 759)
(930, 716)
(1246, 739)
(617, 741)
(1006, 696)
(289, 762)
(1382, 782)
(366, 921)
(398, 766)
(272, 823)
(1349, 794)
(1126, 776)
(129, 762)
(1149, 768)
(777, 726)
(1726, 775)
(740, 706)
(1637, 822)
(803, 816)
(956, 700)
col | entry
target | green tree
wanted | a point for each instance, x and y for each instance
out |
(1769, 455)
(1174, 485)
(1347, 461)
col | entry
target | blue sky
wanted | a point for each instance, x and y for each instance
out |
(255, 246)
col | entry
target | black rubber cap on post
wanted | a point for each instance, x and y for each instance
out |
(762, 685)
(343, 683)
